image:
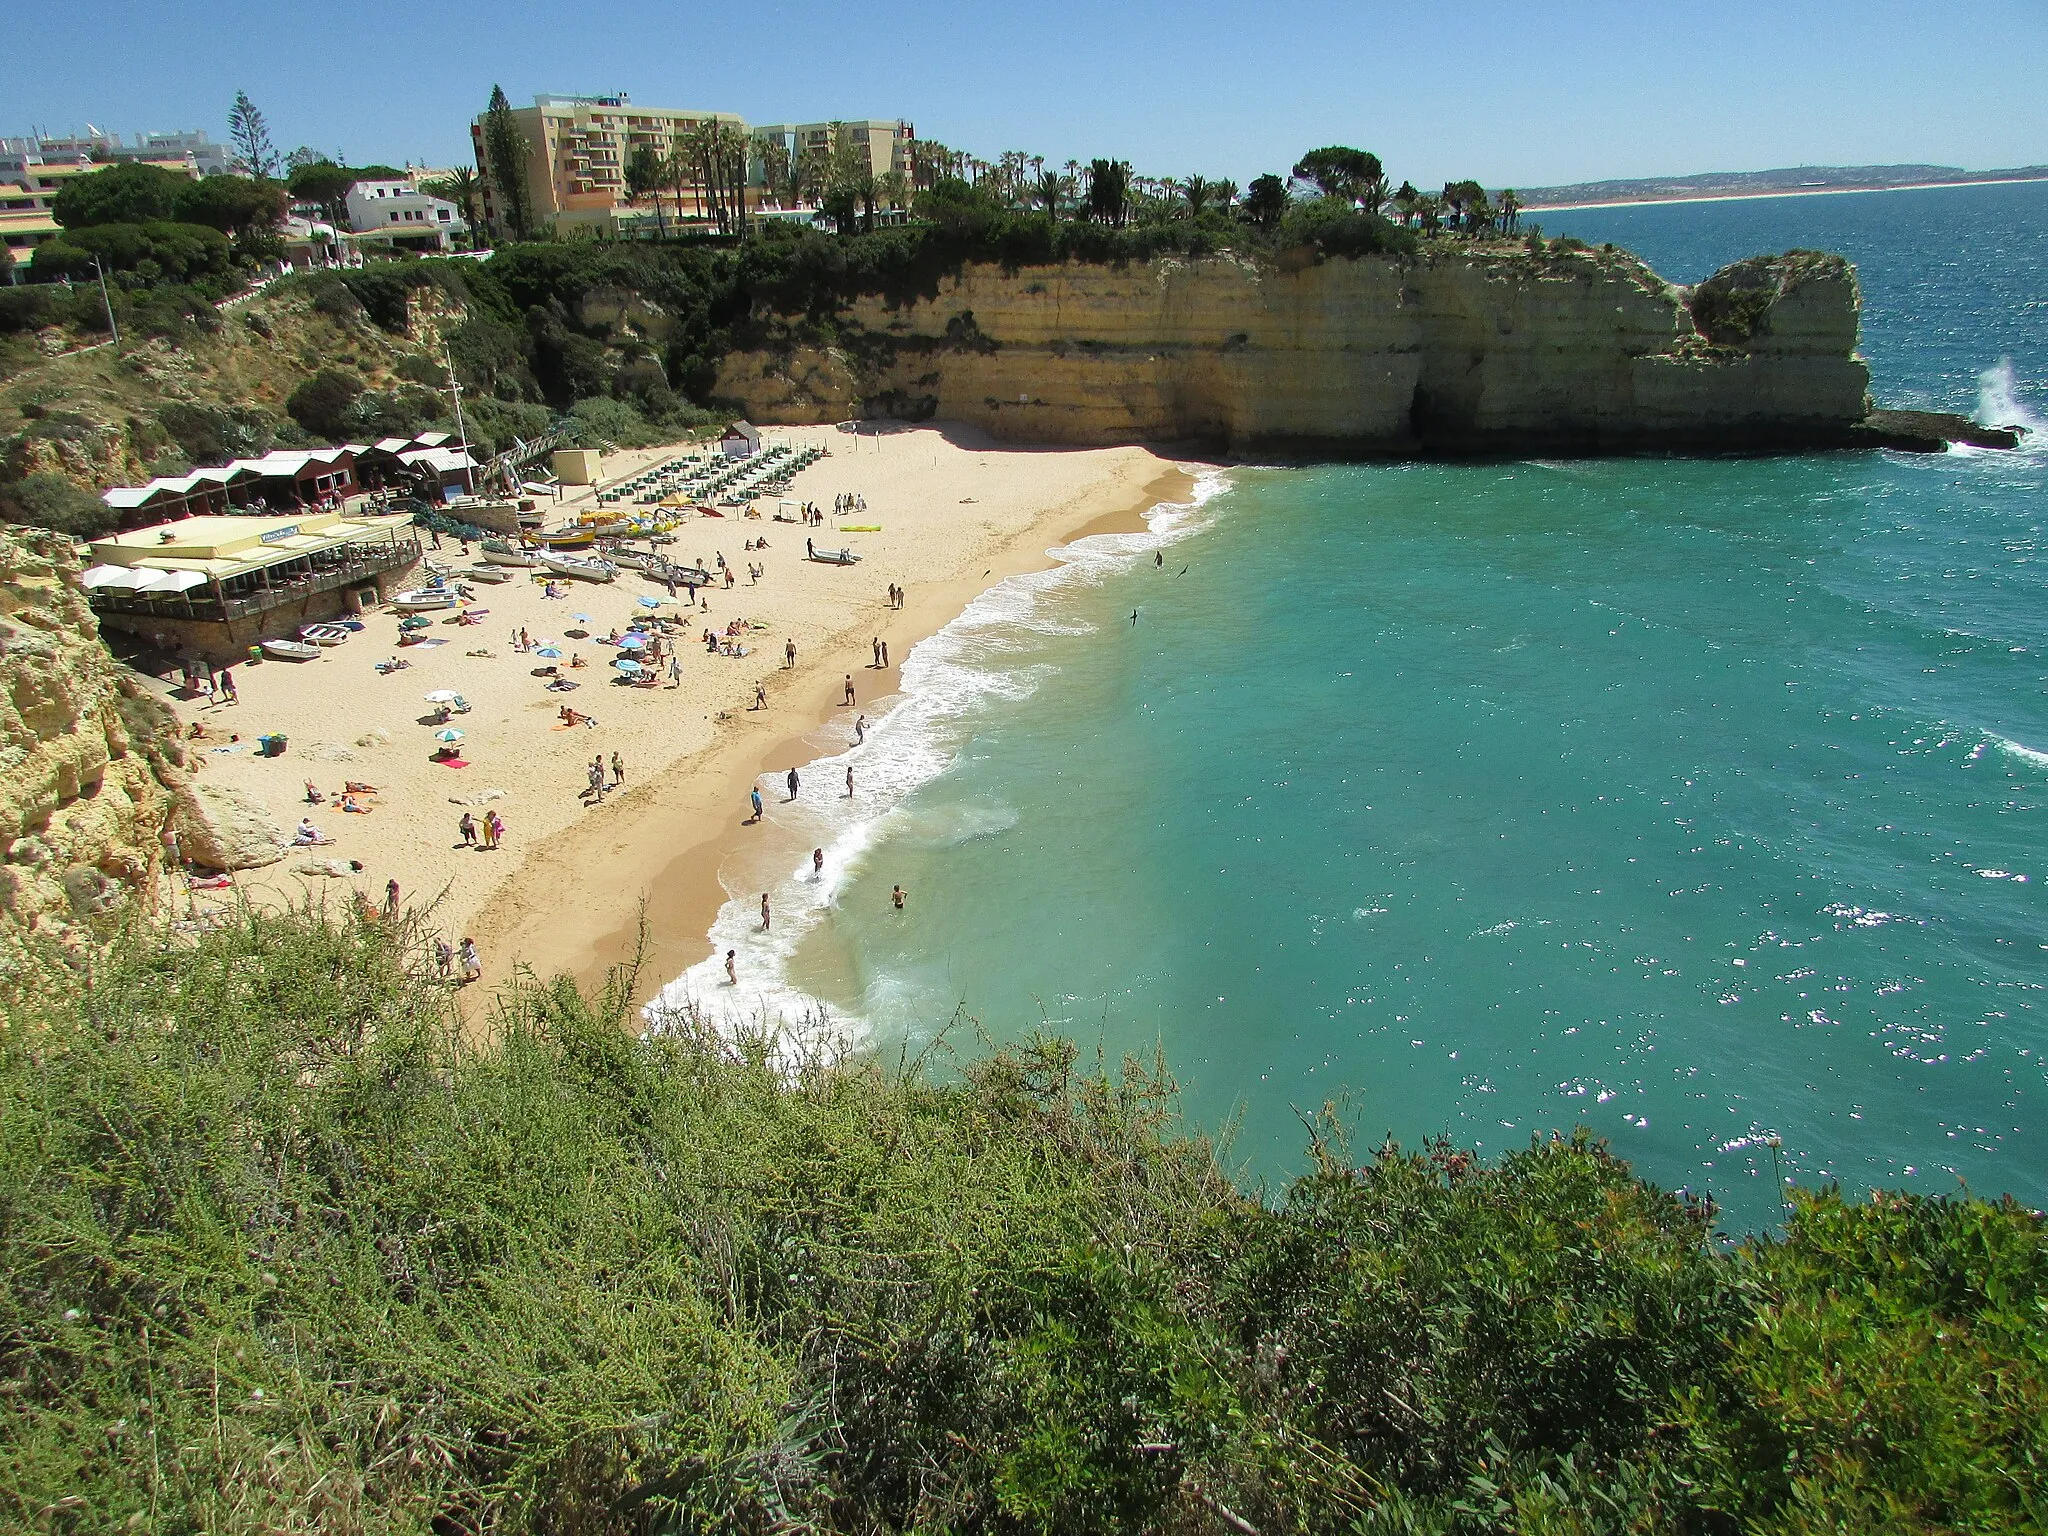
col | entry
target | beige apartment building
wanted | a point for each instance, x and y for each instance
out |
(578, 146)
(886, 140)
(576, 153)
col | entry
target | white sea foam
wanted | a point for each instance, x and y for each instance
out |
(2024, 754)
(961, 669)
(1999, 403)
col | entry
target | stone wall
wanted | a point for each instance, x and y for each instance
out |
(1469, 352)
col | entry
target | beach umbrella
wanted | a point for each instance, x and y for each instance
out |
(626, 665)
(652, 602)
(444, 696)
(580, 618)
(549, 651)
(631, 642)
(448, 733)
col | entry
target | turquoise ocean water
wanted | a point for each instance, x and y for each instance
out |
(1699, 801)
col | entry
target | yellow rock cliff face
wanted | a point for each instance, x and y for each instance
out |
(1458, 352)
(80, 803)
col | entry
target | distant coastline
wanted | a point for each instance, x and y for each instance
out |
(1748, 187)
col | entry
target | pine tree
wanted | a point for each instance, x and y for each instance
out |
(505, 151)
(251, 137)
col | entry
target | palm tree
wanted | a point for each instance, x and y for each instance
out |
(1200, 193)
(1225, 193)
(1050, 191)
(1430, 211)
(463, 186)
(1406, 201)
(1510, 210)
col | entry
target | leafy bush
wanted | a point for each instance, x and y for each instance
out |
(1337, 229)
(322, 404)
(51, 501)
(155, 252)
(280, 1251)
(209, 434)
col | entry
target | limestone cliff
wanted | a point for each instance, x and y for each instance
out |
(84, 755)
(1478, 350)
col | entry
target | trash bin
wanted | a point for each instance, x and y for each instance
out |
(255, 654)
(271, 746)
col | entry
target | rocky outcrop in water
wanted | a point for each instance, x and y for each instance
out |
(84, 754)
(1487, 350)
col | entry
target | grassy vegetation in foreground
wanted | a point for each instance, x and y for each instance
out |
(280, 1253)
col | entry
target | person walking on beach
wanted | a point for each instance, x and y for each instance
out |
(494, 829)
(810, 550)
(444, 958)
(789, 653)
(467, 827)
(618, 770)
(860, 730)
(849, 689)
(754, 795)
(764, 911)
(472, 962)
(732, 971)
(390, 898)
(226, 679)
(760, 696)
(675, 670)
(885, 655)
(875, 645)
(793, 782)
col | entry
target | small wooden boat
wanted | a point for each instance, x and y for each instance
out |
(531, 517)
(629, 559)
(580, 569)
(498, 552)
(570, 538)
(323, 634)
(489, 573)
(834, 556)
(290, 650)
(423, 598)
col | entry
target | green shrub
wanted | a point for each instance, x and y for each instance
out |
(51, 501)
(153, 252)
(278, 1250)
(323, 404)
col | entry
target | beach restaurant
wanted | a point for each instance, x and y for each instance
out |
(216, 585)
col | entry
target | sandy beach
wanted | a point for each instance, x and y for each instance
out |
(567, 890)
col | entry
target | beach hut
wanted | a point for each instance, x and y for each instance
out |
(740, 440)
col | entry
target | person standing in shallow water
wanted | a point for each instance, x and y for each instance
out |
(732, 972)
(896, 897)
(818, 863)
(794, 781)
(764, 911)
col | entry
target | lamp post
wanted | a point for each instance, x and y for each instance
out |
(112, 328)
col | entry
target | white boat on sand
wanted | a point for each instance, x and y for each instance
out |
(290, 650)
(579, 568)
(323, 634)
(423, 598)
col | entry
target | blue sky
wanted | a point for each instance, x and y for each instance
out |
(1522, 93)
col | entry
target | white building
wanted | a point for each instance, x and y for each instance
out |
(394, 213)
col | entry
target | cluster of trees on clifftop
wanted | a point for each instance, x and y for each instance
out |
(280, 1250)
(1106, 191)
